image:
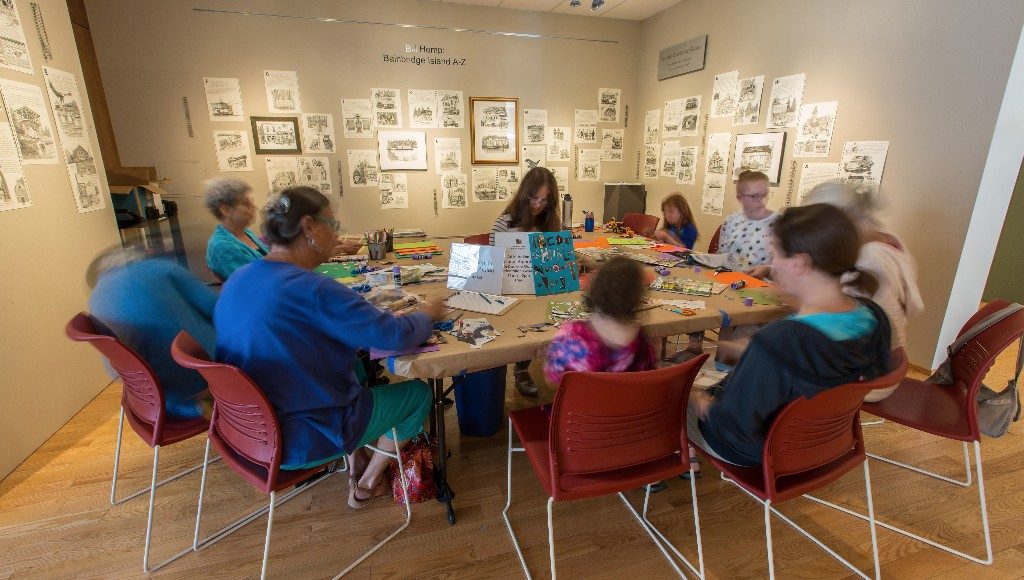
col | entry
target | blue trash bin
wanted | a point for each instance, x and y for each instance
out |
(480, 402)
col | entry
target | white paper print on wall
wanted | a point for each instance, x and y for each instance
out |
(13, 48)
(589, 165)
(282, 91)
(452, 109)
(609, 105)
(686, 170)
(611, 144)
(27, 114)
(812, 174)
(285, 172)
(223, 99)
(356, 119)
(724, 94)
(748, 107)
(75, 139)
(13, 185)
(669, 158)
(386, 108)
(402, 150)
(561, 178)
(785, 100)
(715, 173)
(313, 172)
(862, 163)
(585, 126)
(318, 133)
(559, 143)
(814, 129)
(652, 155)
(394, 190)
(362, 167)
(689, 125)
(448, 155)
(652, 127)
(534, 156)
(232, 148)
(488, 185)
(535, 126)
(454, 190)
(423, 112)
(672, 118)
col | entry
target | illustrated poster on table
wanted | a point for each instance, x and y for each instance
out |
(554, 263)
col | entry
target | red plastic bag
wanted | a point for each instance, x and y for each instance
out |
(418, 458)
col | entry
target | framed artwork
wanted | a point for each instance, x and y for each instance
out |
(276, 134)
(494, 130)
(759, 152)
(402, 150)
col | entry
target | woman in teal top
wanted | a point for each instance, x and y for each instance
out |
(232, 244)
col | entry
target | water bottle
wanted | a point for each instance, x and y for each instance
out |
(567, 212)
(397, 271)
(588, 221)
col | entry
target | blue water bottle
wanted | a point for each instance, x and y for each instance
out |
(588, 221)
(397, 271)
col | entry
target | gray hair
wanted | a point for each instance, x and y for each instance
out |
(224, 191)
(859, 202)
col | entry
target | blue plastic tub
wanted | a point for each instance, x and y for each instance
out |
(480, 402)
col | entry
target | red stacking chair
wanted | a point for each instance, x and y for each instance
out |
(641, 223)
(480, 239)
(245, 431)
(142, 401)
(714, 243)
(812, 443)
(951, 411)
(609, 433)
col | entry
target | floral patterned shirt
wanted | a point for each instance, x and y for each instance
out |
(578, 347)
(745, 241)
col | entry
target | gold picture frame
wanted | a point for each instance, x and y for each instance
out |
(494, 130)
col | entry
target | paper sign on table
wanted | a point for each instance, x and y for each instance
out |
(669, 248)
(518, 275)
(554, 263)
(730, 277)
(477, 268)
(478, 302)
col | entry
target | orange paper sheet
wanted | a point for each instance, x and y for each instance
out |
(668, 248)
(597, 243)
(730, 277)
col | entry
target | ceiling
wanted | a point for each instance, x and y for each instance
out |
(622, 9)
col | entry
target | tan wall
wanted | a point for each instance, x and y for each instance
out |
(153, 53)
(45, 378)
(1004, 280)
(928, 76)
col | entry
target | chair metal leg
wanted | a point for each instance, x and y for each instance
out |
(871, 520)
(266, 543)
(768, 538)
(508, 501)
(202, 490)
(872, 422)
(149, 522)
(984, 518)
(967, 468)
(551, 538)
(651, 530)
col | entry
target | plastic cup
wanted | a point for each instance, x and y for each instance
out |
(377, 250)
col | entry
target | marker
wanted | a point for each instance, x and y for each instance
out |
(484, 296)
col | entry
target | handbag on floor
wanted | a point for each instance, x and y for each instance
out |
(418, 458)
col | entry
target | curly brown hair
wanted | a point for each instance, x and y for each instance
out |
(617, 290)
(519, 208)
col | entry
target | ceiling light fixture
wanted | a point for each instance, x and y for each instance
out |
(574, 3)
(596, 4)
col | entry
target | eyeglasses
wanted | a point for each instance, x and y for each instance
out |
(755, 196)
(333, 224)
(539, 201)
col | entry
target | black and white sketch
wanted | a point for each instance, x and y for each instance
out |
(282, 91)
(812, 174)
(652, 127)
(276, 134)
(652, 157)
(386, 108)
(31, 122)
(561, 178)
(712, 199)
(232, 148)
(785, 100)
(611, 144)
(493, 130)
(715, 170)
(223, 99)
(402, 150)
(608, 104)
(748, 107)
(534, 156)
(448, 155)
(688, 124)
(589, 168)
(282, 173)
(489, 186)
(285, 172)
(725, 94)
(356, 117)
(318, 133)
(585, 124)
(454, 192)
(423, 111)
(686, 170)
(862, 163)
(394, 190)
(669, 166)
(672, 118)
(13, 48)
(814, 129)
(452, 111)
(362, 168)
(13, 185)
(759, 152)
(75, 139)
(559, 143)
(535, 125)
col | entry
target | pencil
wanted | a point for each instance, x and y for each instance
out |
(484, 296)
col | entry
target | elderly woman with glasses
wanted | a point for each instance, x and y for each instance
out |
(533, 209)
(296, 333)
(745, 234)
(232, 244)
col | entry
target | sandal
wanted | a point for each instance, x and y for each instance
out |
(355, 471)
(524, 383)
(372, 494)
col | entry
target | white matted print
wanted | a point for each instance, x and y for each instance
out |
(863, 162)
(686, 171)
(13, 48)
(585, 125)
(784, 103)
(282, 91)
(386, 108)
(448, 155)
(748, 108)
(232, 148)
(759, 152)
(534, 156)
(362, 168)
(724, 94)
(535, 126)
(223, 99)
(611, 144)
(609, 105)
(13, 185)
(394, 190)
(814, 129)
(318, 133)
(493, 129)
(27, 114)
(812, 174)
(402, 150)
(356, 119)
(559, 143)
(589, 165)
(75, 142)
(652, 156)
(690, 121)
(454, 190)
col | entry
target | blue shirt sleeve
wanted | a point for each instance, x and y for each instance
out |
(350, 319)
(197, 294)
(689, 235)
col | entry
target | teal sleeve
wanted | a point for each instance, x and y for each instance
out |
(224, 258)
(197, 294)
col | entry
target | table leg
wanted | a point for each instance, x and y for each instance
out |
(444, 491)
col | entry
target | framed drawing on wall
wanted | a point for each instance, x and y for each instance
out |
(759, 152)
(276, 134)
(402, 150)
(494, 130)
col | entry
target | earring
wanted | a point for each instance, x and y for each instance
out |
(314, 245)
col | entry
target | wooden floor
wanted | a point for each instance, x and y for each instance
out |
(56, 522)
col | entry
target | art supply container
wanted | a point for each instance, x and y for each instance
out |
(480, 402)
(378, 250)
(389, 239)
(737, 285)
(748, 301)
(567, 212)
(588, 223)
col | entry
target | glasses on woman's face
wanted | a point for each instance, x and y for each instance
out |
(539, 201)
(755, 196)
(333, 224)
